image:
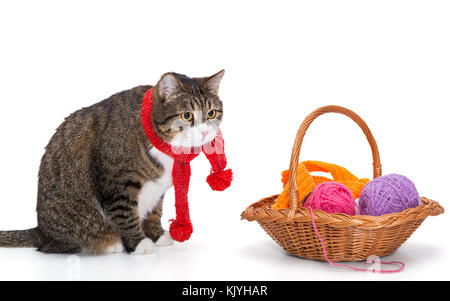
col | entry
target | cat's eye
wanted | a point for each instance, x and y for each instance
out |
(187, 116)
(212, 114)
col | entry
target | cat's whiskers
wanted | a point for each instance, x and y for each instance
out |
(199, 134)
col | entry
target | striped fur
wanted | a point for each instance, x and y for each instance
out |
(97, 163)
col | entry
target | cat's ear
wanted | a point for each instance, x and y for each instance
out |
(212, 83)
(168, 84)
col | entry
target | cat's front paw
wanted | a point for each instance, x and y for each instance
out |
(164, 240)
(146, 246)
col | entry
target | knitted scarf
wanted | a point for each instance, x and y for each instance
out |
(219, 178)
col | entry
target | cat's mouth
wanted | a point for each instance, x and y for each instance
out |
(194, 132)
(195, 136)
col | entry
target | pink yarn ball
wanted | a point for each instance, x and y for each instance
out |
(332, 197)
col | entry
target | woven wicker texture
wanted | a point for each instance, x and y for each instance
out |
(346, 238)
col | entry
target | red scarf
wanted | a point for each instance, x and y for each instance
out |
(219, 178)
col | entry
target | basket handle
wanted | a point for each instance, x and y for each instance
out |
(293, 189)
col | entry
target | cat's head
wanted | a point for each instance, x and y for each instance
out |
(187, 111)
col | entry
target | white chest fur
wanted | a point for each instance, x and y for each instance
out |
(152, 191)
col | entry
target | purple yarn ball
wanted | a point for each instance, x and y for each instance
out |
(388, 194)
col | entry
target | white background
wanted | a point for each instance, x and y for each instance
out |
(386, 60)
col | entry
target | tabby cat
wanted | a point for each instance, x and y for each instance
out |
(101, 182)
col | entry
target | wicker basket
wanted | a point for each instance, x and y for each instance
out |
(346, 238)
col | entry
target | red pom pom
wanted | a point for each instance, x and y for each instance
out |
(221, 180)
(180, 232)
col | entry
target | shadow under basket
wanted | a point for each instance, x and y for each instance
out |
(346, 238)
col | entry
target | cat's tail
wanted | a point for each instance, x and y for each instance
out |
(19, 238)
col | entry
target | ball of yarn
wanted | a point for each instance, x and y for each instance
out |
(332, 197)
(388, 194)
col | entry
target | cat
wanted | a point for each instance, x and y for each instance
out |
(101, 182)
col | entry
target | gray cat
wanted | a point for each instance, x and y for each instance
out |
(101, 182)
